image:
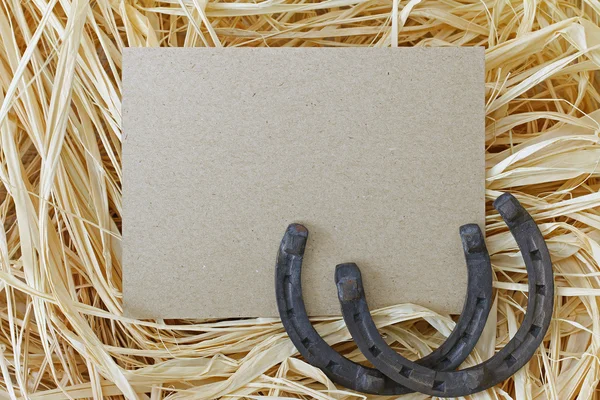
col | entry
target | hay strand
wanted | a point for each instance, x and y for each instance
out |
(63, 334)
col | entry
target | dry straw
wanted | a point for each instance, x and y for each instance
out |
(62, 333)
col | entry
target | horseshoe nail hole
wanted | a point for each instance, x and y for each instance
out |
(510, 360)
(535, 330)
(306, 342)
(286, 279)
(480, 301)
(465, 336)
(439, 385)
(290, 313)
(356, 317)
(540, 289)
(535, 255)
(374, 350)
(444, 360)
(405, 372)
(332, 364)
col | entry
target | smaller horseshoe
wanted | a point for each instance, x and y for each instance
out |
(353, 375)
(499, 367)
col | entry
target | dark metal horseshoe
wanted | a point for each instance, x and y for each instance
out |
(353, 375)
(499, 367)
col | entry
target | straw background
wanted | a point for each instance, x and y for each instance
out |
(62, 333)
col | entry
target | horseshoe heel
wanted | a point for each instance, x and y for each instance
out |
(347, 373)
(499, 367)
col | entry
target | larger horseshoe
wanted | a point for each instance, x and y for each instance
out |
(352, 375)
(499, 367)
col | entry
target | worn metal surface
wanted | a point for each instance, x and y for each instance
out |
(503, 364)
(355, 376)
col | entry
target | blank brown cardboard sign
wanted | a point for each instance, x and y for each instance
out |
(379, 152)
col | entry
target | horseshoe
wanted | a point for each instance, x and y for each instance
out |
(352, 375)
(517, 352)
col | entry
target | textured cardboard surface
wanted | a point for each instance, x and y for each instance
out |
(379, 152)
